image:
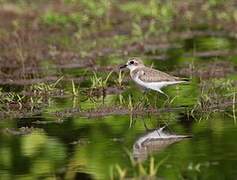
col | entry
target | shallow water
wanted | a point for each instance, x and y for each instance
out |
(70, 145)
(89, 147)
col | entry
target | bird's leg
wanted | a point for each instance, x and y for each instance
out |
(144, 97)
(131, 121)
(164, 94)
(157, 100)
(146, 91)
(145, 125)
(167, 98)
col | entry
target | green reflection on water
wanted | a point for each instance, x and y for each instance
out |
(101, 143)
(80, 147)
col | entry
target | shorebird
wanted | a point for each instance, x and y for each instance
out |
(150, 78)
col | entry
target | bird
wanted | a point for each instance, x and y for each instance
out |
(148, 77)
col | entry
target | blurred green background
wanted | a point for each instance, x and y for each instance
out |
(66, 112)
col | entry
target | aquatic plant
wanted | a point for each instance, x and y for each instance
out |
(100, 82)
(120, 79)
(75, 90)
(45, 88)
(214, 95)
(10, 98)
(140, 170)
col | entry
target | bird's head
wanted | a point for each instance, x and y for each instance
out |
(132, 64)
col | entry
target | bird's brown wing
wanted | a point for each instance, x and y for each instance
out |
(153, 75)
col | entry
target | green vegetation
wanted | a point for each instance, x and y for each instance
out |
(140, 171)
(99, 82)
(68, 112)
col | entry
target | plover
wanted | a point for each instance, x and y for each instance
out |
(148, 77)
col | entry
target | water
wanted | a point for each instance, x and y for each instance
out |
(37, 143)
(81, 147)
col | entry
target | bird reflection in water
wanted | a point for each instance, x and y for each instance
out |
(154, 141)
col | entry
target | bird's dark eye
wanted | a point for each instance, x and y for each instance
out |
(131, 62)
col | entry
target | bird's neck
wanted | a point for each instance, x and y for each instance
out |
(134, 71)
(135, 68)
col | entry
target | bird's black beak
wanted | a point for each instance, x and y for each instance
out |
(122, 67)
